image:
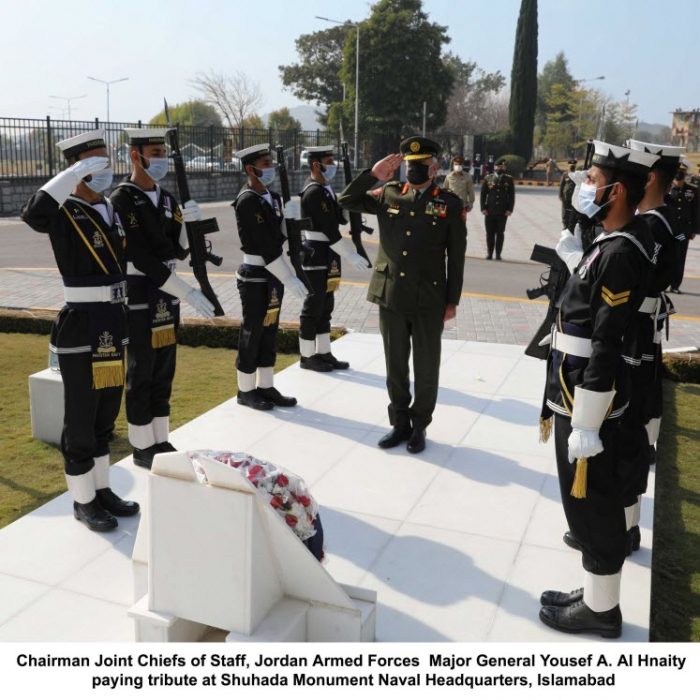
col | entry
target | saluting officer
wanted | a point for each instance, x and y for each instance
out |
(155, 240)
(90, 332)
(497, 203)
(587, 386)
(683, 203)
(417, 280)
(566, 190)
(324, 247)
(261, 279)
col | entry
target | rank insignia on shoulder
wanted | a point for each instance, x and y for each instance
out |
(259, 218)
(612, 299)
(132, 220)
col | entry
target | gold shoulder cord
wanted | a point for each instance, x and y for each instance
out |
(104, 238)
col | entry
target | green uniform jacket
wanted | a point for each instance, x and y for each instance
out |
(422, 243)
(497, 194)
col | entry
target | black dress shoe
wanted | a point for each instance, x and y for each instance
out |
(115, 505)
(498, 257)
(579, 618)
(144, 458)
(416, 443)
(334, 362)
(571, 540)
(273, 395)
(488, 257)
(397, 435)
(560, 598)
(315, 363)
(166, 447)
(252, 399)
(94, 516)
(634, 539)
(674, 290)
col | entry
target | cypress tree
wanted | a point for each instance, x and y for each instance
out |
(523, 80)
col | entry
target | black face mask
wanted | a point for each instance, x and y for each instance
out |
(680, 176)
(417, 173)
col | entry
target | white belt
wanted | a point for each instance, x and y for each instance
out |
(570, 344)
(649, 305)
(314, 236)
(135, 272)
(253, 260)
(112, 293)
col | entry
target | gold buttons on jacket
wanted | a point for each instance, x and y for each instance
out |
(402, 274)
(413, 213)
(408, 233)
(405, 252)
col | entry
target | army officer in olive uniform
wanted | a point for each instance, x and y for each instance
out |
(497, 202)
(417, 280)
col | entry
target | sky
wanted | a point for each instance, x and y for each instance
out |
(47, 48)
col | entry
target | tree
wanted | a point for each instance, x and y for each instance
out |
(253, 121)
(560, 124)
(523, 80)
(235, 96)
(405, 70)
(476, 105)
(554, 72)
(191, 113)
(282, 120)
(316, 78)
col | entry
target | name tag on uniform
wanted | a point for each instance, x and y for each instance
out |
(392, 210)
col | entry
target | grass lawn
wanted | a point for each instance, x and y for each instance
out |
(675, 586)
(31, 472)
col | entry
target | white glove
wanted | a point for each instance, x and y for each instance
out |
(584, 443)
(347, 251)
(570, 249)
(281, 270)
(191, 211)
(547, 340)
(200, 303)
(292, 209)
(60, 186)
(177, 287)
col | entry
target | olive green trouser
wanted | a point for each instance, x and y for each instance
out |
(422, 332)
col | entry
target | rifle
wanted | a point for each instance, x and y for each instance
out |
(294, 226)
(357, 226)
(200, 247)
(553, 284)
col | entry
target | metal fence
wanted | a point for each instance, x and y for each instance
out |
(28, 146)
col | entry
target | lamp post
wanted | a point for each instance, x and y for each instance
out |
(578, 81)
(357, 74)
(107, 83)
(68, 100)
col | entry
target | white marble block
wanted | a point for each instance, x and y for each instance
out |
(46, 405)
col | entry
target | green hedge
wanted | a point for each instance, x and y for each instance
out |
(682, 367)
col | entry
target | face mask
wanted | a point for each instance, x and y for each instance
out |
(680, 176)
(457, 168)
(100, 181)
(417, 173)
(157, 168)
(583, 200)
(267, 175)
(330, 171)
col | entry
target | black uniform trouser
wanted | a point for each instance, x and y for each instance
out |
(257, 342)
(316, 313)
(597, 521)
(401, 332)
(150, 372)
(88, 414)
(495, 232)
(680, 269)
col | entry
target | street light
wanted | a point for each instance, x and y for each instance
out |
(580, 104)
(68, 101)
(357, 73)
(107, 83)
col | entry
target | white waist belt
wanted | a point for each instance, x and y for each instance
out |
(132, 270)
(649, 305)
(112, 293)
(314, 236)
(570, 344)
(253, 260)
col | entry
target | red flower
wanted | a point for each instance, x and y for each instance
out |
(282, 480)
(276, 502)
(253, 471)
(290, 519)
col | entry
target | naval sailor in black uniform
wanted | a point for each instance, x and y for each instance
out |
(155, 240)
(90, 333)
(587, 385)
(262, 279)
(324, 247)
(684, 207)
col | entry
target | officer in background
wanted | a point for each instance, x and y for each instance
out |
(587, 386)
(683, 204)
(417, 280)
(89, 335)
(477, 168)
(155, 240)
(324, 247)
(497, 203)
(261, 279)
(566, 190)
(459, 181)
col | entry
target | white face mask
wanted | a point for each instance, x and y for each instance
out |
(457, 168)
(330, 171)
(583, 199)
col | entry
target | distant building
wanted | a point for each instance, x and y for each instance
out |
(685, 129)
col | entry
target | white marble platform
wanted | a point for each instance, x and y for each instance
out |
(458, 541)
